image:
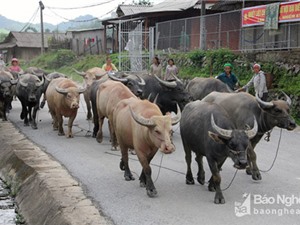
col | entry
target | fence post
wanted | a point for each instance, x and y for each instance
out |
(77, 46)
(97, 44)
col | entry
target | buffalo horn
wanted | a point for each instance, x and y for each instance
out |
(23, 83)
(251, 133)
(141, 120)
(40, 83)
(61, 90)
(80, 73)
(222, 132)
(170, 84)
(263, 104)
(288, 99)
(149, 97)
(123, 80)
(155, 99)
(81, 90)
(177, 117)
(176, 78)
(47, 78)
(13, 82)
(142, 81)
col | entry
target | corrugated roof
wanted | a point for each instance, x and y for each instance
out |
(29, 39)
(172, 5)
(133, 9)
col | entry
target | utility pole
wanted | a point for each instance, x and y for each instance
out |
(202, 26)
(42, 7)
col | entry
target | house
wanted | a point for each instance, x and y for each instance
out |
(89, 41)
(27, 45)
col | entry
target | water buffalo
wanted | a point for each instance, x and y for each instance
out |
(48, 79)
(89, 77)
(132, 83)
(199, 87)
(201, 134)
(6, 92)
(140, 125)
(170, 93)
(63, 100)
(29, 90)
(242, 106)
(109, 94)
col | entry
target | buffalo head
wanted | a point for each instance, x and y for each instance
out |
(277, 113)
(160, 128)
(237, 141)
(72, 95)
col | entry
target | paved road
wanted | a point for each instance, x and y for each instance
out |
(97, 168)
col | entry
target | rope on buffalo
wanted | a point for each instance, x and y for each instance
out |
(276, 154)
(89, 123)
(229, 185)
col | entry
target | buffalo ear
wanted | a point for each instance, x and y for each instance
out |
(215, 137)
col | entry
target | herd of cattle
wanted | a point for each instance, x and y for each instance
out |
(213, 122)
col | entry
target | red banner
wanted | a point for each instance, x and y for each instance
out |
(288, 11)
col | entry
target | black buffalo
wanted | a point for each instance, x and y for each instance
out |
(6, 92)
(29, 90)
(207, 130)
(241, 107)
(199, 87)
(167, 93)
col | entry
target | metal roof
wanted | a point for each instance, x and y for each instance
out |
(172, 5)
(132, 9)
(28, 39)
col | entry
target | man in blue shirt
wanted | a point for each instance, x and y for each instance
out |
(228, 77)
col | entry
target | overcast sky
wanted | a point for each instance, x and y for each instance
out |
(26, 10)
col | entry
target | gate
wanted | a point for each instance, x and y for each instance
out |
(136, 46)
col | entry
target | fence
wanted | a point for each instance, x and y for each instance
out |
(135, 46)
(224, 31)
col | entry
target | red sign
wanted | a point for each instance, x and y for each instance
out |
(288, 11)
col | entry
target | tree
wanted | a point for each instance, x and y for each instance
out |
(142, 2)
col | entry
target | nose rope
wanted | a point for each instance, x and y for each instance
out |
(276, 154)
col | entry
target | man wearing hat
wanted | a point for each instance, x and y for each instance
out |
(228, 77)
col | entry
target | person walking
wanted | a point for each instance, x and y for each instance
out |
(228, 77)
(171, 70)
(258, 81)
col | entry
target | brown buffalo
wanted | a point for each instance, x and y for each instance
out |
(140, 125)
(63, 100)
(109, 94)
(89, 77)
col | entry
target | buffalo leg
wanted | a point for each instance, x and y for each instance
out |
(113, 137)
(143, 180)
(60, 124)
(88, 106)
(99, 136)
(216, 181)
(252, 164)
(188, 159)
(33, 122)
(145, 162)
(127, 174)
(201, 172)
(24, 114)
(95, 120)
(4, 118)
(70, 124)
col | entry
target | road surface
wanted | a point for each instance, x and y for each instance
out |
(273, 200)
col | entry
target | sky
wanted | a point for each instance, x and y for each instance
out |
(27, 10)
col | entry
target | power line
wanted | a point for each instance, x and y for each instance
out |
(30, 20)
(71, 20)
(81, 7)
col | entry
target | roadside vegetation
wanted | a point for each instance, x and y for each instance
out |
(192, 64)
